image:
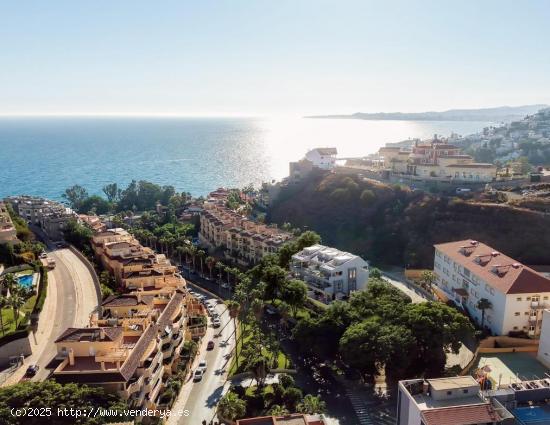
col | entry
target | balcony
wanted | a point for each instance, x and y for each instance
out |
(535, 304)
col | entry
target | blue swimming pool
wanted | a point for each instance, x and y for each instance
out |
(539, 415)
(25, 280)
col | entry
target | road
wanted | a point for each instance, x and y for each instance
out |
(70, 300)
(416, 297)
(201, 398)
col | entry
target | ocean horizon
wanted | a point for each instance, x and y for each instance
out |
(43, 156)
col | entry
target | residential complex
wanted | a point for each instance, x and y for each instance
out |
(242, 240)
(323, 158)
(330, 273)
(467, 271)
(7, 229)
(50, 216)
(448, 401)
(436, 160)
(134, 340)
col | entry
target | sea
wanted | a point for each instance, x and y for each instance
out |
(43, 156)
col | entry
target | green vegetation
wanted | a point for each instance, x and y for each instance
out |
(16, 305)
(274, 399)
(399, 227)
(380, 329)
(52, 395)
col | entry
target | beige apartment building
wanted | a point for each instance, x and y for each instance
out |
(7, 229)
(134, 340)
(243, 241)
(436, 160)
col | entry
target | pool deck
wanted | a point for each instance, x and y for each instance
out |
(507, 367)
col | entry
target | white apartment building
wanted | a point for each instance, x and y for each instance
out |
(543, 354)
(448, 401)
(324, 158)
(467, 271)
(330, 273)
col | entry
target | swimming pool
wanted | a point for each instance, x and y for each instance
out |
(25, 280)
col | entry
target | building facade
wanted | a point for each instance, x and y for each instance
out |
(437, 160)
(543, 354)
(467, 271)
(7, 229)
(323, 158)
(330, 273)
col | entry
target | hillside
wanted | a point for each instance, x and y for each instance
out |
(395, 226)
(502, 113)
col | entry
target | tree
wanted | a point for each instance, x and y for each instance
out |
(234, 308)
(284, 311)
(94, 205)
(210, 263)
(286, 380)
(3, 303)
(295, 294)
(259, 366)
(483, 304)
(231, 407)
(274, 278)
(52, 395)
(257, 307)
(311, 405)
(359, 346)
(278, 410)
(112, 192)
(75, 195)
(427, 279)
(291, 397)
(375, 273)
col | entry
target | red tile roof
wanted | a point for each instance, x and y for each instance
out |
(460, 415)
(515, 278)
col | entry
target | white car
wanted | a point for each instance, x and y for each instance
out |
(216, 322)
(197, 376)
(202, 365)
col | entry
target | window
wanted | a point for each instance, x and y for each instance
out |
(516, 313)
(515, 328)
(527, 313)
(545, 298)
(518, 299)
(528, 298)
(465, 391)
(449, 392)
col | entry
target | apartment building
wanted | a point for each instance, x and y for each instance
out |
(436, 160)
(467, 271)
(7, 229)
(330, 273)
(52, 217)
(323, 158)
(242, 240)
(448, 401)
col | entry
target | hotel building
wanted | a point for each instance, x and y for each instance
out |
(467, 271)
(436, 160)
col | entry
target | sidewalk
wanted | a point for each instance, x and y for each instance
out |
(42, 336)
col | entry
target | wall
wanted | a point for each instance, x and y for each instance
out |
(21, 346)
(544, 347)
(90, 268)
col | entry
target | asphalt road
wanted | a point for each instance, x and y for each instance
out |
(72, 287)
(204, 395)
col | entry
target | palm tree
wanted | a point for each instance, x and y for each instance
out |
(257, 308)
(201, 254)
(210, 263)
(234, 308)
(284, 311)
(483, 304)
(193, 252)
(231, 407)
(278, 410)
(16, 301)
(311, 405)
(3, 303)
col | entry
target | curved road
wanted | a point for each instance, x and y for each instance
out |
(70, 300)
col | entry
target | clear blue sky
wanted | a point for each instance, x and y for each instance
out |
(261, 57)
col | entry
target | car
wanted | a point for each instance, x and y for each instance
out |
(202, 365)
(210, 345)
(462, 190)
(44, 255)
(32, 370)
(216, 322)
(197, 376)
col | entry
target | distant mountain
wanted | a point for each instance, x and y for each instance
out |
(501, 113)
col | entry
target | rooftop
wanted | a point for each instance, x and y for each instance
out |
(498, 270)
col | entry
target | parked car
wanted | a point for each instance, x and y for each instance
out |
(216, 322)
(32, 370)
(197, 376)
(203, 365)
(210, 345)
(463, 190)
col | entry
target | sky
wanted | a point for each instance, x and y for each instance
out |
(265, 57)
